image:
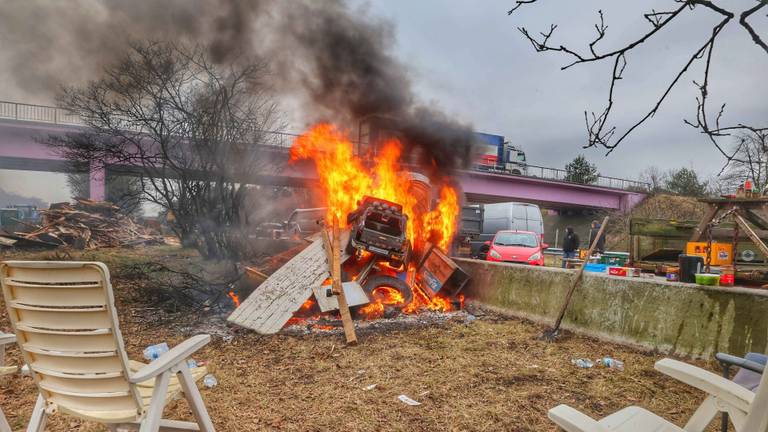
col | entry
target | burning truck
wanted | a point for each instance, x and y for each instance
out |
(397, 226)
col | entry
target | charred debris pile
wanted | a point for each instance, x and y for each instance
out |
(84, 224)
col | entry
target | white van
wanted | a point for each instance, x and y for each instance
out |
(517, 216)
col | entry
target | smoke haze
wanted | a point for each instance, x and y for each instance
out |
(334, 61)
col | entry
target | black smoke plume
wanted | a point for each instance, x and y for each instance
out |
(335, 59)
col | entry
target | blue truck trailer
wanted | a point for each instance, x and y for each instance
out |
(497, 154)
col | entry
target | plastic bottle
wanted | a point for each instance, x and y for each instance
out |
(611, 363)
(582, 363)
(191, 363)
(210, 381)
(153, 352)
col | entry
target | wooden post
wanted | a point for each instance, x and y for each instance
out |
(575, 282)
(699, 230)
(335, 264)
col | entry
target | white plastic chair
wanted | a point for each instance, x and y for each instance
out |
(747, 410)
(5, 339)
(64, 317)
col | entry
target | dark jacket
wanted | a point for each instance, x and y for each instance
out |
(600, 242)
(570, 242)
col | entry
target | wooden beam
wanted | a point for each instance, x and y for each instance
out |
(699, 230)
(346, 317)
(750, 233)
(756, 219)
(576, 280)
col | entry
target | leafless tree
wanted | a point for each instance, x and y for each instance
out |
(750, 162)
(655, 177)
(600, 131)
(193, 131)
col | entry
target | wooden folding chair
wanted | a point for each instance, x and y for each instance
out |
(747, 410)
(5, 339)
(64, 317)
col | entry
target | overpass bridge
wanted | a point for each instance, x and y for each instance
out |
(23, 126)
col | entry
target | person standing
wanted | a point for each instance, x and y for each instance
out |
(570, 245)
(594, 230)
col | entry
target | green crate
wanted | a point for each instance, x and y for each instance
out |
(617, 259)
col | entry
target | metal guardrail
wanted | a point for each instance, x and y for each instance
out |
(49, 114)
(561, 175)
(39, 113)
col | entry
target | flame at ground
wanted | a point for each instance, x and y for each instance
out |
(235, 298)
(345, 179)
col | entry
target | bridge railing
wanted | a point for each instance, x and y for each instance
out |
(49, 114)
(561, 175)
(284, 140)
(40, 113)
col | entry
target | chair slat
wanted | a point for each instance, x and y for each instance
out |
(100, 385)
(84, 376)
(59, 296)
(55, 275)
(73, 342)
(67, 352)
(82, 392)
(78, 365)
(94, 404)
(16, 305)
(65, 321)
(25, 328)
(29, 284)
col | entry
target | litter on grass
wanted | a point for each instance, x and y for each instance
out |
(583, 363)
(408, 401)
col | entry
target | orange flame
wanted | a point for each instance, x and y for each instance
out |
(235, 298)
(345, 179)
(382, 297)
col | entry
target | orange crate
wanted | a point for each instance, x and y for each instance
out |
(721, 253)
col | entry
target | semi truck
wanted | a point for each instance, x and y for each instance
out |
(497, 154)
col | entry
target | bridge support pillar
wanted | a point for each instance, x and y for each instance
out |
(97, 177)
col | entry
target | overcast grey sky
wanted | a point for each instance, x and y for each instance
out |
(467, 57)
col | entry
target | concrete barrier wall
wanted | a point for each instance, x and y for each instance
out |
(678, 318)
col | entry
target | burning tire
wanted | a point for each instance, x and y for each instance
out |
(377, 287)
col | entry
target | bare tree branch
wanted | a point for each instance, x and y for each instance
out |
(599, 132)
(743, 21)
(519, 3)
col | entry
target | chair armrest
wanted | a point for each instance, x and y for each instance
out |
(573, 420)
(708, 382)
(743, 363)
(174, 356)
(7, 338)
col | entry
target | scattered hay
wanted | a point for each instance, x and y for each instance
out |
(489, 374)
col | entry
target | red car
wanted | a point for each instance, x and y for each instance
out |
(523, 247)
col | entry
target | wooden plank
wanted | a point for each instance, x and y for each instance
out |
(275, 301)
(756, 219)
(576, 280)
